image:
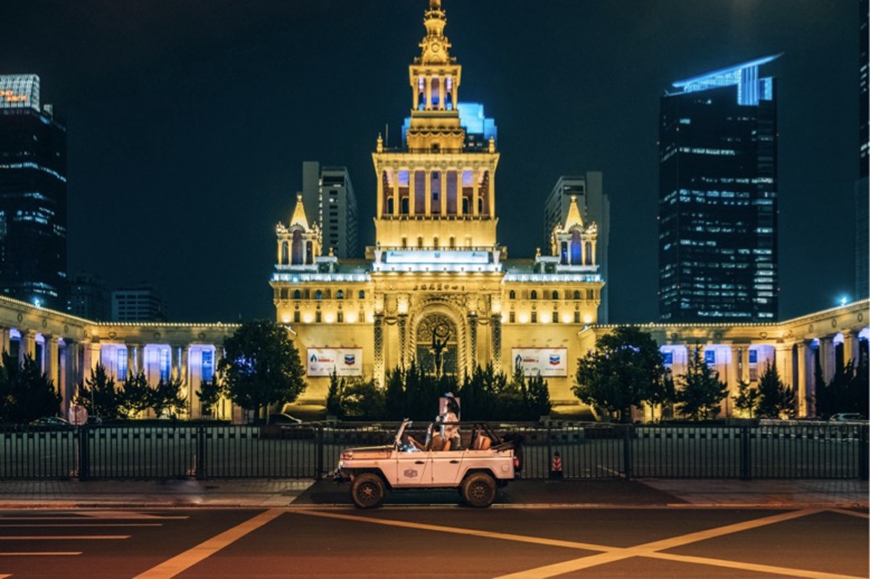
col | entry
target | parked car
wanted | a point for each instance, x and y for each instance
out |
(283, 418)
(847, 417)
(51, 421)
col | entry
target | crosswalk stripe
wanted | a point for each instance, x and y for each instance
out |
(39, 554)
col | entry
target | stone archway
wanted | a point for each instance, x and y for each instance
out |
(438, 341)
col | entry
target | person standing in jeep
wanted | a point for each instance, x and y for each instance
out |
(448, 417)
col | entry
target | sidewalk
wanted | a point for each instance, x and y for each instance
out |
(686, 493)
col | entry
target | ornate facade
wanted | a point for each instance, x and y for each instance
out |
(437, 288)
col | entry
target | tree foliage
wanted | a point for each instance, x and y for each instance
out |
(261, 366)
(209, 394)
(98, 394)
(847, 391)
(747, 398)
(134, 396)
(25, 393)
(625, 369)
(166, 399)
(775, 399)
(699, 392)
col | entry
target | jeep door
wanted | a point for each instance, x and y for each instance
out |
(446, 465)
(413, 469)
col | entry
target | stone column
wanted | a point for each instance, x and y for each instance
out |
(379, 350)
(850, 347)
(380, 200)
(801, 382)
(495, 324)
(412, 193)
(187, 383)
(4, 340)
(475, 194)
(458, 195)
(472, 340)
(92, 357)
(784, 364)
(810, 391)
(827, 351)
(27, 345)
(737, 363)
(50, 353)
(427, 189)
(490, 194)
(403, 339)
(131, 359)
(140, 359)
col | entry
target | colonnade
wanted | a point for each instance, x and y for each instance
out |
(449, 186)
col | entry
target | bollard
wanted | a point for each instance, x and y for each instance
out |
(556, 466)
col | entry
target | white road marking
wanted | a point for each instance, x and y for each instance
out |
(191, 557)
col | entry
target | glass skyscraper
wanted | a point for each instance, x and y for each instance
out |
(718, 198)
(33, 196)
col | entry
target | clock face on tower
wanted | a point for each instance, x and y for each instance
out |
(435, 46)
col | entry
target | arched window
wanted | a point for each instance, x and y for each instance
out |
(285, 253)
(576, 248)
(555, 295)
(588, 253)
(390, 205)
(297, 252)
(534, 295)
(576, 294)
(297, 295)
(406, 207)
(435, 243)
(512, 295)
(339, 295)
(419, 242)
(318, 295)
(309, 252)
(362, 294)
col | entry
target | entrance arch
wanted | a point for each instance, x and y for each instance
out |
(438, 341)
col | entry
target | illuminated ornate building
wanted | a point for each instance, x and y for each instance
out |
(437, 287)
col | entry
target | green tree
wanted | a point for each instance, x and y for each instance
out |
(746, 398)
(335, 395)
(261, 366)
(166, 398)
(363, 399)
(625, 369)
(27, 393)
(775, 398)
(134, 396)
(98, 394)
(699, 392)
(209, 393)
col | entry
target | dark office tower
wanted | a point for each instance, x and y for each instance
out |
(32, 196)
(717, 198)
(861, 185)
(89, 297)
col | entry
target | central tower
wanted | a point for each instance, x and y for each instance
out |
(436, 193)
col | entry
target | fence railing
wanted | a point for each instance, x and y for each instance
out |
(587, 450)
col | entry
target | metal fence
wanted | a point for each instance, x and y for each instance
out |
(586, 450)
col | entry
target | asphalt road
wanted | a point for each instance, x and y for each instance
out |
(433, 542)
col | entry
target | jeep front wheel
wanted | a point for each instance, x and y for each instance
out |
(367, 491)
(478, 490)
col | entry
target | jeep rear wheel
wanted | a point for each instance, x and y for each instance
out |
(478, 490)
(367, 491)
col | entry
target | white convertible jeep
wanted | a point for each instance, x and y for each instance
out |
(488, 462)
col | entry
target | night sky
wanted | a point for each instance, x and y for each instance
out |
(188, 122)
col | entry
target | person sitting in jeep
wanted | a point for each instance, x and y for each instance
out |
(434, 441)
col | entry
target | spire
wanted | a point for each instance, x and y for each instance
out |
(299, 214)
(435, 45)
(573, 219)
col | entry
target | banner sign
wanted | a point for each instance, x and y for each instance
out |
(341, 361)
(541, 361)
